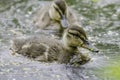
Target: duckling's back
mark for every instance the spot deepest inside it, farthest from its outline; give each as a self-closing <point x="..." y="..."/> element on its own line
<point x="40" y="47"/>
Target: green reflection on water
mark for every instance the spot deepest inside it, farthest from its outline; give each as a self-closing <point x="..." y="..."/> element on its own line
<point x="111" y="71"/>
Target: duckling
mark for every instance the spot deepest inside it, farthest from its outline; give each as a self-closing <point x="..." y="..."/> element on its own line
<point x="48" y="49"/>
<point x="55" y="16"/>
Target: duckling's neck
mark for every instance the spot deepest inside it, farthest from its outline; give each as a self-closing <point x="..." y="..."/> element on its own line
<point x="71" y="49"/>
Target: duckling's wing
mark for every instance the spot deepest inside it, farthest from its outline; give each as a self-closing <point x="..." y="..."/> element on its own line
<point x="35" y="50"/>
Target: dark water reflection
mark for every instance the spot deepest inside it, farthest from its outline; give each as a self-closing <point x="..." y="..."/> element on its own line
<point x="101" y="22"/>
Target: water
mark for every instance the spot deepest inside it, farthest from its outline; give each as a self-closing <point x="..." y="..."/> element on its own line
<point x="102" y="25"/>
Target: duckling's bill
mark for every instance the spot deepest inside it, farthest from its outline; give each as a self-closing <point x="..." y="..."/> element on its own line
<point x="88" y="45"/>
<point x="64" y="21"/>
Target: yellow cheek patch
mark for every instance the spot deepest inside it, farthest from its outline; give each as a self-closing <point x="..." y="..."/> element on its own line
<point x="56" y="12"/>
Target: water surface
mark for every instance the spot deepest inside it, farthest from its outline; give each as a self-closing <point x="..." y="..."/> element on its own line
<point x="100" y="19"/>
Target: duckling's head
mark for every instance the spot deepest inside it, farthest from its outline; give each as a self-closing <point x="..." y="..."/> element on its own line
<point x="58" y="12"/>
<point x="75" y="36"/>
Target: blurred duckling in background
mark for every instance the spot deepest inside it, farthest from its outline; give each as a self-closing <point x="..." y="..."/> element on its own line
<point x="55" y="16"/>
<point x="48" y="49"/>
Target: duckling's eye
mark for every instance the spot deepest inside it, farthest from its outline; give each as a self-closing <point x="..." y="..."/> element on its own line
<point x="76" y="35"/>
<point x="87" y="42"/>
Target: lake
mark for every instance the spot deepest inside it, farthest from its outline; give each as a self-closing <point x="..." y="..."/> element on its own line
<point x="99" y="18"/>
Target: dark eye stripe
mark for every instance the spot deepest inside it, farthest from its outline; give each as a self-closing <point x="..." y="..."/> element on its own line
<point x="58" y="11"/>
<point x="80" y="31"/>
<point x="77" y="35"/>
<point x="74" y="34"/>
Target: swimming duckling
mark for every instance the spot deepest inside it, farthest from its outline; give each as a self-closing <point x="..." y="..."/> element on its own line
<point x="48" y="49"/>
<point x="55" y="16"/>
